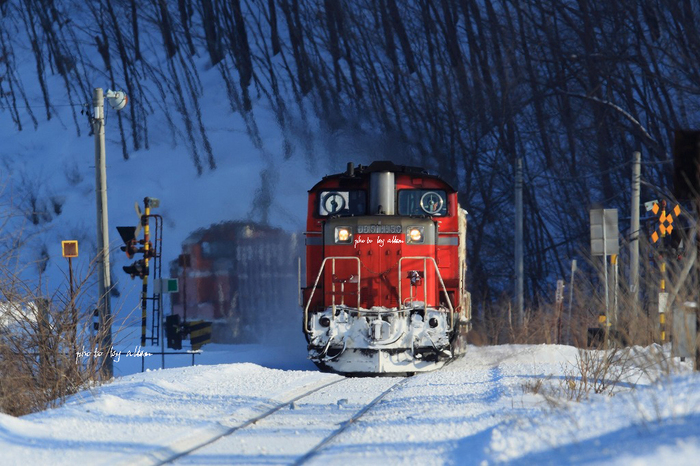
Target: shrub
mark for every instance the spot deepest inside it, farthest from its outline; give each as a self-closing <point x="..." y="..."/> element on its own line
<point x="39" y="341"/>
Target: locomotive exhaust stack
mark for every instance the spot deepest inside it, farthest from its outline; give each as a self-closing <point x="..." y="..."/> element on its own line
<point x="381" y="193"/>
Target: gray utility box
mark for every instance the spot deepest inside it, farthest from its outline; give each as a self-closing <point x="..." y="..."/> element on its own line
<point x="685" y="330"/>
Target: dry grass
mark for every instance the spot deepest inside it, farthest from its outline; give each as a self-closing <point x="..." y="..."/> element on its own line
<point x="534" y="386"/>
<point x="593" y="372"/>
<point x="631" y="350"/>
<point x="39" y="339"/>
<point x="599" y="372"/>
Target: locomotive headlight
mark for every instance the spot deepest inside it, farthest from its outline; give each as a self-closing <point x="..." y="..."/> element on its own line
<point x="343" y="235"/>
<point x="414" y="235"/>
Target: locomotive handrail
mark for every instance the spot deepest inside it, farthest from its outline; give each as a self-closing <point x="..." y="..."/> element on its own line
<point x="425" y="294"/>
<point x="307" y="330"/>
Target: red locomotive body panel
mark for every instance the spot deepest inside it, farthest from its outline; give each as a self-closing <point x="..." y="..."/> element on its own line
<point x="380" y="253"/>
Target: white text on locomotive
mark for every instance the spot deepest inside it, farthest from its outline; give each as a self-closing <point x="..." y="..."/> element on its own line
<point x="379" y="229"/>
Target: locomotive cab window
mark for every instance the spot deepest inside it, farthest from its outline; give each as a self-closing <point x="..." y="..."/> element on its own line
<point x="423" y="202"/>
<point x="342" y="203"/>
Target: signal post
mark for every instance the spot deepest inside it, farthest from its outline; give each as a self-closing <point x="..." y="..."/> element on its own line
<point x="146" y="256"/>
<point x="141" y="267"/>
<point x="665" y="226"/>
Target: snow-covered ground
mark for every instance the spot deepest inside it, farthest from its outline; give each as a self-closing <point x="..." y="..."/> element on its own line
<point x="478" y="410"/>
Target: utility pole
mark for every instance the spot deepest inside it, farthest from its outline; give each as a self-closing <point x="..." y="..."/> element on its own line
<point x="614" y="260"/>
<point x="519" y="265"/>
<point x="634" y="231"/>
<point x="559" y="300"/>
<point x="104" y="279"/>
<point x="571" y="297"/>
<point x="118" y="101"/>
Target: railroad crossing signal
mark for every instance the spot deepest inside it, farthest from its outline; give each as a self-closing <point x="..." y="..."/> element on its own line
<point x="665" y="220"/>
<point x="128" y="235"/>
<point x="137" y="269"/>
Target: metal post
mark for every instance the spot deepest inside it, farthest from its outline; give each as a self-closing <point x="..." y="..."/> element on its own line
<point x="634" y="232"/>
<point x="605" y="271"/>
<point x="614" y="259"/>
<point x="519" y="265"/>
<point x="144" y="281"/>
<point x="73" y="310"/>
<point x="571" y="295"/>
<point x="104" y="279"/>
<point x="184" y="262"/>
<point x="161" y="327"/>
<point x="663" y="301"/>
<point x="559" y="300"/>
<point x="44" y="328"/>
<point x="696" y="297"/>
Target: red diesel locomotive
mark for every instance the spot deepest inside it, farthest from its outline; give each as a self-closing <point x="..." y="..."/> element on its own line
<point x="385" y="272"/>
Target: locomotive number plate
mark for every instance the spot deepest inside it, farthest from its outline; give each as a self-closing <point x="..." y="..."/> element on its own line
<point x="379" y="229"/>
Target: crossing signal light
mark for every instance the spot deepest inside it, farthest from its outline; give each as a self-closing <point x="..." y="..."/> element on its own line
<point x="130" y="249"/>
<point x="137" y="269"/>
<point x="173" y="331"/>
<point x="128" y="235"/>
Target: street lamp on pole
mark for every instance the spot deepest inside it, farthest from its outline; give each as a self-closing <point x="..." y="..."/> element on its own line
<point x="117" y="101"/>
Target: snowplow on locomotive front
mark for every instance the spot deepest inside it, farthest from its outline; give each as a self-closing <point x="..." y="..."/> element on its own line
<point x="385" y="272"/>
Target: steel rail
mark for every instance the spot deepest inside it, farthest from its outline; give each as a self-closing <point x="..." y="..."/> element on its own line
<point x="346" y="425"/>
<point x="228" y="431"/>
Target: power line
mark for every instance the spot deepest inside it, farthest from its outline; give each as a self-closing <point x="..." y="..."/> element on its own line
<point x="575" y="178"/>
<point x="44" y="106"/>
<point x="660" y="162"/>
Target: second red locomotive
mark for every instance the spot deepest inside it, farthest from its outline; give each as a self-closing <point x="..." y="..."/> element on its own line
<point x="385" y="268"/>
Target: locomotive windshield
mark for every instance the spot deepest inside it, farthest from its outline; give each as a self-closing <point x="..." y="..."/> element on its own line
<point x="423" y="202"/>
<point x="342" y="203"/>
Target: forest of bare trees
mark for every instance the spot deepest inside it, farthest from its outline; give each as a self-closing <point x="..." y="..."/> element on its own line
<point x="462" y="87"/>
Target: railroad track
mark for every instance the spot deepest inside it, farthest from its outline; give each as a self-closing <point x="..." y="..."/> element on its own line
<point x="343" y="427"/>
<point x="186" y="449"/>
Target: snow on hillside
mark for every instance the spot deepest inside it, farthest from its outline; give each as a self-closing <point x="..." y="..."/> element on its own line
<point x="475" y="411"/>
<point x="48" y="172"/>
<point x="54" y="161"/>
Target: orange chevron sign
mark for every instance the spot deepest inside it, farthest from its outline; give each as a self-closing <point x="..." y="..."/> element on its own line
<point x="665" y="220"/>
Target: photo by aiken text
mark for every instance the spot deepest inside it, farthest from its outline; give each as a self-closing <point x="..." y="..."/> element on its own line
<point x="112" y="353"/>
